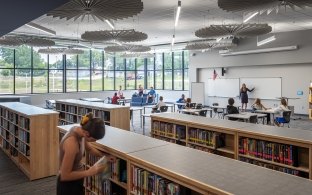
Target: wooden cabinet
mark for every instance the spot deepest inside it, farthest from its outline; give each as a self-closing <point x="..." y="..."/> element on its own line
<point x="144" y="165"/>
<point x="72" y="110"/>
<point x="30" y="138"/>
<point x="287" y="150"/>
<point x="310" y="103"/>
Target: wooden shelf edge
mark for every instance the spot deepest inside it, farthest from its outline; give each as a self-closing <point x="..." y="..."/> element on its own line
<point x="121" y="184"/>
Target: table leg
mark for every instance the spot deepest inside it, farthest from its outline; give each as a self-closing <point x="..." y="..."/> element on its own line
<point x="143" y="125"/>
<point x="141" y="117"/>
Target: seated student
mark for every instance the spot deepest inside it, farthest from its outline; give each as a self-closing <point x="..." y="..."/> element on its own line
<point x="257" y="105"/>
<point x="280" y="109"/>
<point x="230" y="109"/>
<point x="188" y="103"/>
<point x="158" y="105"/>
<point x="181" y="100"/>
<point x="115" y="98"/>
<point x="140" y="90"/>
<point x="151" y="95"/>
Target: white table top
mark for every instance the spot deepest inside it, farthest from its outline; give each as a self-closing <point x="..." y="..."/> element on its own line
<point x="136" y="108"/>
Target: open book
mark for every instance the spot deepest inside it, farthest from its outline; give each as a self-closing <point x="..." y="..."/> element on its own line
<point x="106" y="174"/>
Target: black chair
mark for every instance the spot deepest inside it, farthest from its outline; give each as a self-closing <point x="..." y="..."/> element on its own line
<point x="192" y="105"/>
<point x="253" y="119"/>
<point x="285" y="119"/>
<point x="203" y="113"/>
<point x="217" y="111"/>
<point x="199" y="106"/>
<point x="163" y="108"/>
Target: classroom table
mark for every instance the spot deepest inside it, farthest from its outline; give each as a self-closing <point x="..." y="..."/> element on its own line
<point x="246" y="116"/>
<point x="92" y="99"/>
<point x="195" y="111"/>
<point x="178" y="104"/>
<point x="153" y="106"/>
<point x="123" y="101"/>
<point x="268" y="111"/>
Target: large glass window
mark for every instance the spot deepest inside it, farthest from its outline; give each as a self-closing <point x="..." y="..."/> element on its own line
<point x="178" y="70"/>
<point x="109" y="75"/>
<point x="168" y="71"/>
<point x="140" y="77"/>
<point x="159" y="71"/>
<point x="40" y="72"/>
<point x="6" y="71"/>
<point x="97" y="70"/>
<point x="56" y="73"/>
<point x="25" y="70"/>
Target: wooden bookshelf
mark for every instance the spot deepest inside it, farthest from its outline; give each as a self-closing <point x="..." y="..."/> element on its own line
<point x="310" y="102"/>
<point x="72" y="110"/>
<point x="287" y="150"/>
<point x="30" y="138"/>
<point x="191" y="171"/>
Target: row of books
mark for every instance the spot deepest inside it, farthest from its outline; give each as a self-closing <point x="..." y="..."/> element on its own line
<point x="276" y="152"/>
<point x="147" y="183"/>
<point x="60" y="107"/>
<point x="105" y="115"/>
<point x="95" y="185"/>
<point x="201" y="136"/>
<point x="275" y="167"/>
<point x="24" y="123"/>
<point x="23" y="148"/>
<point x="170" y="130"/>
<point x="71" y="109"/>
<point x="71" y="118"/>
<point x="23" y="135"/>
<point x="13" y="129"/>
<point x="83" y="111"/>
<point x="13" y="140"/>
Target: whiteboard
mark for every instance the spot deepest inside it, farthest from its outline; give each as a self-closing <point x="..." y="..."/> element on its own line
<point x="223" y="87"/>
<point x="265" y="88"/>
<point x="198" y="92"/>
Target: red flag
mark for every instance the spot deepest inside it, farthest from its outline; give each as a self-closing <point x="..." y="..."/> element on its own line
<point x="214" y="76"/>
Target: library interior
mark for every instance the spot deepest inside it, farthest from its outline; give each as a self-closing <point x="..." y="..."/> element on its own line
<point x="141" y="97"/>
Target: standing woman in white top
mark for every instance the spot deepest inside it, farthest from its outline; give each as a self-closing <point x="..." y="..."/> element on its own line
<point x="280" y="109"/>
<point x="120" y="92"/>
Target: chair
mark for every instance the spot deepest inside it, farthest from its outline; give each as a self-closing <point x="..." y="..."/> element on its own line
<point x="253" y="119"/>
<point x="285" y="119"/>
<point x="163" y="108"/>
<point x="192" y="105"/>
<point x="199" y="106"/>
<point x="217" y="111"/>
<point x="203" y="113"/>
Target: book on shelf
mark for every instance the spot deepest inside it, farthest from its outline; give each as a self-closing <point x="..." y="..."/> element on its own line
<point x="270" y="151"/>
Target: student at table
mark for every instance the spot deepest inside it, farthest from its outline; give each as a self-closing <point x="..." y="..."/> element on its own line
<point x="159" y="104"/>
<point x="231" y="109"/>
<point x="257" y="105"/>
<point x="280" y="109"/>
<point x="115" y="99"/>
<point x="188" y="103"/>
<point x="244" y="96"/>
<point x="181" y="100"/>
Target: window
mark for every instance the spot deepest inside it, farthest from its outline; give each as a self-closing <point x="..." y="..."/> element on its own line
<point x="168" y="71"/>
<point x="56" y="73"/>
<point x="97" y="70"/>
<point x="140" y="74"/>
<point x="24" y="70"/>
<point x="109" y="73"/>
<point x="40" y="72"/>
<point x="159" y="71"/>
<point x="6" y="71"/>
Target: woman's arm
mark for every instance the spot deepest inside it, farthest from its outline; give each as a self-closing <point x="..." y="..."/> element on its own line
<point x="92" y="150"/>
<point x="71" y="148"/>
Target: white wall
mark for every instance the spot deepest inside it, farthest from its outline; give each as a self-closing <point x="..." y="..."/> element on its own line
<point x="39" y="99"/>
<point x="294" y="67"/>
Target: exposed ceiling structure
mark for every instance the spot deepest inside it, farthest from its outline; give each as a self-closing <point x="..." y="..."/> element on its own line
<point x="158" y="17"/>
